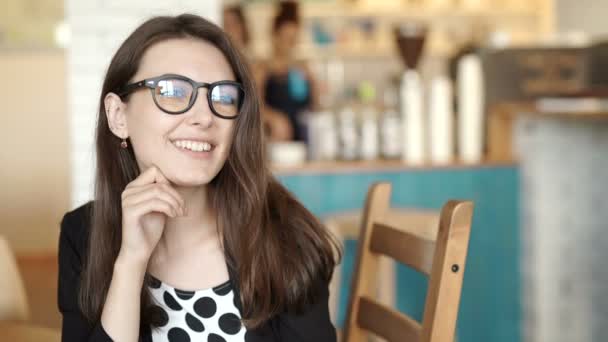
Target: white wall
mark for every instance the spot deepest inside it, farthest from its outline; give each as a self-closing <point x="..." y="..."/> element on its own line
<point x="34" y="171"/>
<point x="98" y="27"/>
<point x="589" y="16"/>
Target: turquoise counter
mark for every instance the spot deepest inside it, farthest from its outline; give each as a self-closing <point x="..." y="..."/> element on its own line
<point x="491" y="303"/>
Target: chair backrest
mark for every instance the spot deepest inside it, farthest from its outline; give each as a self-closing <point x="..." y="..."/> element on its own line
<point x="442" y="258"/>
<point x="13" y="300"/>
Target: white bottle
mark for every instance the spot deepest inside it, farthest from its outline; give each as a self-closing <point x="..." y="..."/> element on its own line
<point x="323" y="140"/>
<point x="369" y="133"/>
<point x="390" y="127"/>
<point x="470" y="108"/>
<point x="412" y="118"/>
<point x="349" y="137"/>
<point x="441" y="121"/>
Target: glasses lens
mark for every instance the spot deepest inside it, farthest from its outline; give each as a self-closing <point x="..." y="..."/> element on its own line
<point x="173" y="95"/>
<point x="226" y="99"/>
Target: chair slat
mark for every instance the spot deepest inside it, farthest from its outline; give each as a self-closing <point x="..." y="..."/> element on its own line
<point x="387" y="322"/>
<point x="404" y="246"/>
<point x="418" y="222"/>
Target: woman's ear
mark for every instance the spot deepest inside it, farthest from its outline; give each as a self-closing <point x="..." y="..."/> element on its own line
<point x="116" y="115"/>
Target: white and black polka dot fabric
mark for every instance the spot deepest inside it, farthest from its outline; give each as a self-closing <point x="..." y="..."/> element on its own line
<point x="208" y="315"/>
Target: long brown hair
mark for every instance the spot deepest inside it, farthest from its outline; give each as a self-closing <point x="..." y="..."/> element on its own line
<point x="277" y="250"/>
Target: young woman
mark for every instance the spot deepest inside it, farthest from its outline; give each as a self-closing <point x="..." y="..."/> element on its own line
<point x="189" y="237"/>
<point x="287" y="85"/>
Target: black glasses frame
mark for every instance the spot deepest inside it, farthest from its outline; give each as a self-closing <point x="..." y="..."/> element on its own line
<point x="152" y="83"/>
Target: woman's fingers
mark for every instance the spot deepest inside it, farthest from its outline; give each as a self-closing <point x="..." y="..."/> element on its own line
<point x="146" y="202"/>
<point x="151" y="187"/>
<point x="154" y="204"/>
<point x="153" y="180"/>
<point x="151" y="175"/>
<point x="153" y="191"/>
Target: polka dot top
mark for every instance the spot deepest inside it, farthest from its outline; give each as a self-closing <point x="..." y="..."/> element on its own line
<point x="208" y="315"/>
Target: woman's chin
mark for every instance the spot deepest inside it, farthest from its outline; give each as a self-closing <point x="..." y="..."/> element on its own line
<point x="190" y="180"/>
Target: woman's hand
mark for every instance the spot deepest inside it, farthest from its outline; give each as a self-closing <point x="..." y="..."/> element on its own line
<point x="146" y="203"/>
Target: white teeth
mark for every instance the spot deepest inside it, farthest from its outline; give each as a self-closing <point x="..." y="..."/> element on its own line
<point x="193" y="145"/>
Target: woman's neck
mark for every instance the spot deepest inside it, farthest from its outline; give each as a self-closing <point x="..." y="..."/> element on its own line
<point x="281" y="61"/>
<point x="196" y="230"/>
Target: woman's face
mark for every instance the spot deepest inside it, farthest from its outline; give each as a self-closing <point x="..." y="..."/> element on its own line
<point x="154" y="133"/>
<point x="286" y="38"/>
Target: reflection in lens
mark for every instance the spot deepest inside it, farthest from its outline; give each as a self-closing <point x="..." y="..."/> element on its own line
<point x="173" y="95"/>
<point x="226" y="99"/>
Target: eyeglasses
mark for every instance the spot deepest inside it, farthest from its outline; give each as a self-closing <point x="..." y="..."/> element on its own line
<point x="176" y="94"/>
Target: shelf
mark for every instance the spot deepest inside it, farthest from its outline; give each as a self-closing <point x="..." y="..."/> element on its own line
<point x="449" y="26"/>
<point x="332" y="167"/>
<point x="320" y="11"/>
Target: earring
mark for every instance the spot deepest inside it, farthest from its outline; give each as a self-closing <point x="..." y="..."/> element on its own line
<point x="123" y="144"/>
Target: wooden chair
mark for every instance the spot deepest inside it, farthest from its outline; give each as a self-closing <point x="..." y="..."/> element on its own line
<point x="13" y="299"/>
<point x="346" y="225"/>
<point x="440" y="256"/>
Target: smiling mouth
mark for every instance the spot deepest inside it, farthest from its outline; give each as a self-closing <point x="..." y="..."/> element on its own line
<point x="194" y="146"/>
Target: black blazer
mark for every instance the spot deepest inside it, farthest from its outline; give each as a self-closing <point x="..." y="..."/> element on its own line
<point x="313" y="325"/>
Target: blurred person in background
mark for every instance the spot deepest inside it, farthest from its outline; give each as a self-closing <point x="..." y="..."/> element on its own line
<point x="189" y="237"/>
<point x="286" y="83"/>
<point x="236" y="27"/>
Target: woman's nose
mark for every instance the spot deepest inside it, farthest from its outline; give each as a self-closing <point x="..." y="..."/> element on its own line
<point x="200" y="113"/>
